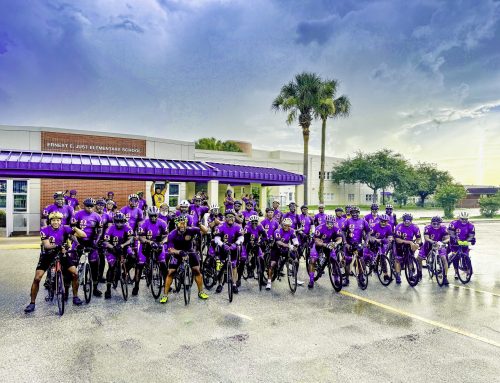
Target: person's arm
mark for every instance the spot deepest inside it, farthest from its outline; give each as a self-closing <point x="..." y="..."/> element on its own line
<point x="165" y="188"/>
<point x="78" y="233"/>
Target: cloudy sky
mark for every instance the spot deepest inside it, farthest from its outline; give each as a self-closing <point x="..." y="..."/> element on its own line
<point x="423" y="76"/>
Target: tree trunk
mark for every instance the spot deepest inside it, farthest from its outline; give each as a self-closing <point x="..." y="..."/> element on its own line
<point x="383" y="196"/>
<point x="305" y="135"/>
<point x="321" y="192"/>
<point x="375" y="196"/>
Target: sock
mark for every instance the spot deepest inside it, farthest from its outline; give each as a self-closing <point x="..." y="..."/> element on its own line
<point x="311" y="276"/>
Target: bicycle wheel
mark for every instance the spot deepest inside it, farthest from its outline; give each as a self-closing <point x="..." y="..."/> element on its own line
<point x="148" y="270"/>
<point x="291" y="272"/>
<point x="124" y="280"/>
<point x="335" y="274"/>
<point x="156" y="280"/>
<point x="431" y="264"/>
<point x="87" y="282"/>
<point x="260" y="273"/>
<point x="59" y="291"/>
<point x="361" y="276"/>
<point x="209" y="272"/>
<point x="439" y="270"/>
<point x="383" y="270"/>
<point x="187" y="280"/>
<point x="178" y="279"/>
<point x="229" y="279"/>
<point x="464" y="269"/>
<point x="411" y="270"/>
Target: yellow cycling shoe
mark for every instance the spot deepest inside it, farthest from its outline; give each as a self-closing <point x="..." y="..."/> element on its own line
<point x="164" y="299"/>
<point x="202" y="295"/>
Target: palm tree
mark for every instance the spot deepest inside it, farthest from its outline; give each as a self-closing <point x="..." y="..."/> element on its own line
<point x="299" y="98"/>
<point x="329" y="106"/>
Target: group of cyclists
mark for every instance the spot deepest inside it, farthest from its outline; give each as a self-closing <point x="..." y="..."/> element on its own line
<point x="207" y="238"/>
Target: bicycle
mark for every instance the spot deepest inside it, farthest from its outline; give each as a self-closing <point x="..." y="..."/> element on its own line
<point x="334" y="272"/>
<point x="464" y="269"/>
<point x="85" y="274"/>
<point x="410" y="265"/>
<point x="383" y="267"/>
<point x="121" y="275"/>
<point x="359" y="268"/>
<point x="291" y="269"/>
<point x="56" y="284"/>
<point x="435" y="265"/>
<point x="152" y="272"/>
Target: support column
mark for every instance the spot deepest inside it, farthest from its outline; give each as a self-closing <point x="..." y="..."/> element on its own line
<point x="213" y="192"/>
<point x="299" y="195"/>
<point x="190" y="190"/>
<point x="263" y="198"/>
<point x="9" y="209"/>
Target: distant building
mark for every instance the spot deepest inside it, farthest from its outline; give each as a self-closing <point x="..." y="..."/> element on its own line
<point x="474" y="192"/>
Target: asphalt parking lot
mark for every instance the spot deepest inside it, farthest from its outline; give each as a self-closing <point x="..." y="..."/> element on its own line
<point x="383" y="334"/>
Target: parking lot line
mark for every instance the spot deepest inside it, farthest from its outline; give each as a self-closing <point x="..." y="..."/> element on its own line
<point x="20" y="246"/>
<point x="476" y="290"/>
<point x="422" y="319"/>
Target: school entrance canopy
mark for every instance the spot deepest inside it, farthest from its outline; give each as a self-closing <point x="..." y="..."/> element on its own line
<point x="85" y="166"/>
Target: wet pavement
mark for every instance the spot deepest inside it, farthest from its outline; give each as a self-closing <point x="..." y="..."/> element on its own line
<point x="382" y="334"/>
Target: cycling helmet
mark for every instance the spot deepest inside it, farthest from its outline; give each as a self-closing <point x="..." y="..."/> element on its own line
<point x="100" y="202"/>
<point x="213" y="206"/>
<point x="276" y="200"/>
<point x="58" y="194"/>
<point x="89" y="202"/>
<point x="304" y="207"/>
<point x="164" y="205"/>
<point x="253" y="218"/>
<point x="55" y="215"/>
<point x="383" y="217"/>
<point x="140" y="192"/>
<point x="229" y="212"/>
<point x="339" y="209"/>
<point x="111" y="193"/>
<point x="184" y="203"/>
<point x="437" y="219"/>
<point x="407" y="217"/>
<point x="291" y="203"/>
<point x="179" y="219"/>
<point x="132" y="196"/>
<point x="268" y="209"/>
<point x="237" y="202"/>
<point x="72" y="192"/>
<point x="322" y="205"/>
<point x="463" y="215"/>
<point x="330" y="219"/>
<point x="119" y="217"/>
<point x="287" y="221"/>
<point x="374" y="206"/>
<point x="196" y="197"/>
<point x="354" y="209"/>
<point x="153" y="210"/>
<point x="111" y="201"/>
<point x="389" y="206"/>
<point x="249" y="203"/>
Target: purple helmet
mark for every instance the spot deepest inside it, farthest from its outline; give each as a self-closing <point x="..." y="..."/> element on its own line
<point x="384" y="217"/>
<point x="407" y="217"/>
<point x="436" y="219"/>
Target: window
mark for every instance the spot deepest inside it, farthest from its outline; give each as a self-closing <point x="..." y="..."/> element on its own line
<point x="350" y="197"/>
<point x="328" y="175"/>
<point x="368" y="197"/>
<point x="319" y="175"/>
<point x="20" y="196"/>
<point x="173" y="194"/>
<point x="3" y="194"/>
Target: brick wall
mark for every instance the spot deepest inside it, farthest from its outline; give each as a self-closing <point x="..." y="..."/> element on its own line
<point x="90" y="188"/>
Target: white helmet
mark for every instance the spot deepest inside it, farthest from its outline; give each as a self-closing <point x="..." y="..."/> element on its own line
<point x="213" y="206"/>
<point x="287" y="221"/>
<point x="185" y="203"/>
<point x="463" y="215"/>
<point x="253" y="218"/>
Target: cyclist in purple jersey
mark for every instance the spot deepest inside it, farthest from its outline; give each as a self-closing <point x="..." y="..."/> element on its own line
<point x="228" y="237"/>
<point x="238" y="213"/>
<point x="197" y="211"/>
<point x="91" y="223"/>
<point x="461" y="230"/>
<point x="392" y="216"/>
<point x="285" y="241"/>
<point x="183" y="211"/>
<point x="107" y="221"/>
<point x="215" y="218"/>
<point x="111" y="196"/>
<point x="229" y="200"/>
<point x="54" y="237"/>
<point x="254" y="237"/>
<point x="372" y="218"/>
<point x="110" y="208"/>
<point x="269" y="224"/>
<point x="71" y="200"/>
<point x="292" y="214"/>
<point x="339" y="217"/>
<point x="164" y="213"/>
<point x="180" y="245"/>
<point x="435" y="234"/>
<point x="356" y="232"/>
<point x="247" y="213"/>
<point x="304" y="231"/>
<point x="381" y="235"/>
<point x="142" y="204"/>
<point x="319" y="219"/>
<point x="152" y="236"/>
<point x="326" y="237"/>
<point x="406" y="234"/>
<point x="245" y="199"/>
<point x="132" y="212"/>
<point x="277" y="214"/>
<point x="58" y="206"/>
<point x="118" y="240"/>
<point x="347" y="214"/>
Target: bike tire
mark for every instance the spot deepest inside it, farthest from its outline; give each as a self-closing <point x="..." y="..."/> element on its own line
<point x="87" y="283"/>
<point x="361" y="276"/>
<point x="187" y="280"/>
<point x="411" y="271"/>
<point x="334" y="270"/>
<point x="260" y="273"/>
<point x="464" y="269"/>
<point x="124" y="280"/>
<point x="59" y="292"/>
<point x="381" y="264"/>
<point x="439" y="271"/>
<point x="209" y="273"/>
<point x="291" y="272"/>
<point x="229" y="279"/>
<point x="431" y="264"/>
<point x="156" y="281"/>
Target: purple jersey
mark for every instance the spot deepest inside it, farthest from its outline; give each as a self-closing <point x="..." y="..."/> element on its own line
<point x="408" y="233"/>
<point x="211" y="218"/>
<point x="326" y="234"/>
<point x="142" y="204"/>
<point x="229" y="203"/>
<point x="56" y="237"/>
<point x="117" y="236"/>
<point x="229" y="234"/>
<point x="285" y="236"/>
<point x="462" y="230"/>
<point x="66" y="210"/>
<point x="253" y="233"/>
<point x="197" y="212"/>
<point x="90" y="223"/>
<point x="380" y="232"/>
<point x="134" y="216"/>
<point x="189" y="217"/>
<point x="436" y="234"/>
<point x="305" y="223"/>
<point x="319" y="219"/>
<point x="182" y="240"/>
<point x="340" y="221"/>
<point x="393" y="221"/>
<point x="295" y="219"/>
<point x="153" y="231"/>
<point x="247" y="214"/>
<point x="278" y="215"/>
<point x="354" y="229"/>
<point x="70" y="201"/>
<point x="106" y="220"/>
<point x="270" y="226"/>
<point x="371" y="219"/>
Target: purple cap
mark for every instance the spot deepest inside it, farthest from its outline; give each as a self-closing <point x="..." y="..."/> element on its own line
<point x="73" y="191"/>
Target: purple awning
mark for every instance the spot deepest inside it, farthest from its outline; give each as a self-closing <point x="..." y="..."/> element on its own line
<point x="90" y="166"/>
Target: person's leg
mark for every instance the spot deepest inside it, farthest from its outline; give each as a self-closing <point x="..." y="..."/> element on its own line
<point x="110" y="275"/>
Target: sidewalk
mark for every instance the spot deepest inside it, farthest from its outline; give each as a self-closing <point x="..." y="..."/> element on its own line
<point x="17" y="243"/>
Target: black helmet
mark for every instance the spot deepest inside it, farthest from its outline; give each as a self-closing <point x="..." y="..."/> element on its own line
<point x="89" y="202"/>
<point x="119" y="217"/>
